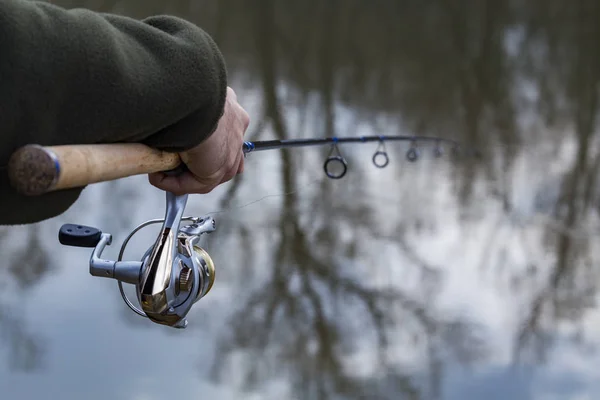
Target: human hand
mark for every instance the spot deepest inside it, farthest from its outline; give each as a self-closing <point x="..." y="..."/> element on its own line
<point x="214" y="161"/>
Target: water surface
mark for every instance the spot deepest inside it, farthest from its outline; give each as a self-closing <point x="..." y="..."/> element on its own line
<point x="443" y="279"/>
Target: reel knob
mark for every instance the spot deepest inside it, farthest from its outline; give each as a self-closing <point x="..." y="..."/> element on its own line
<point x="79" y="235"/>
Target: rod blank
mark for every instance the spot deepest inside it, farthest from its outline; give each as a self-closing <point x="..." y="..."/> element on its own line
<point x="281" y="144"/>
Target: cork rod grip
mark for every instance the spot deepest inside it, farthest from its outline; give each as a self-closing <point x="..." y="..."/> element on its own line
<point x="35" y="170"/>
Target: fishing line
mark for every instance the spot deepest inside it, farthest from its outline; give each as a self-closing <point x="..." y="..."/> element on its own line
<point x="302" y="188"/>
<point x="237" y="207"/>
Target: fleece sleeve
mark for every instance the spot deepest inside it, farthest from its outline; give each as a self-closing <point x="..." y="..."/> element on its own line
<point x="79" y="77"/>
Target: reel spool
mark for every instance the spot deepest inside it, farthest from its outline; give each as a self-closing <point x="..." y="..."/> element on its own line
<point x="172" y="275"/>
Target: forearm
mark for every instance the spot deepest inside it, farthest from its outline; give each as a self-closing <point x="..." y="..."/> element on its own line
<point x="79" y="77"/>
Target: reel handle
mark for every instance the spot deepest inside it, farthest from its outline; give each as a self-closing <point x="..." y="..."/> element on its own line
<point x="34" y="170"/>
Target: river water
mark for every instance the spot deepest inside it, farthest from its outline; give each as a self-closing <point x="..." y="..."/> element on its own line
<point x="451" y="278"/>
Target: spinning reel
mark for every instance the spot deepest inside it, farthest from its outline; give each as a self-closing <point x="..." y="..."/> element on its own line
<point x="173" y="274"/>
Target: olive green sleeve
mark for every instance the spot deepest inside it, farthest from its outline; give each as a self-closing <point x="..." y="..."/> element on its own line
<point x="77" y="77"/>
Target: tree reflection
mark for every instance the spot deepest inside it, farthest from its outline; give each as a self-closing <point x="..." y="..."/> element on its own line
<point x="494" y="74"/>
<point x="312" y="313"/>
<point x="25" y="348"/>
<point x="571" y="287"/>
<point x="26" y="263"/>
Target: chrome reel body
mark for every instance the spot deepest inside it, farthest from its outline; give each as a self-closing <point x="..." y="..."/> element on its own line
<point x="172" y="275"/>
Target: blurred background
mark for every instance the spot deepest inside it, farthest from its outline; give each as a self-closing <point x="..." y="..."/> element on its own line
<point x="442" y="279"/>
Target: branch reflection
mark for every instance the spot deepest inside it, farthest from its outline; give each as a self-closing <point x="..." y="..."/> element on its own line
<point x="498" y="75"/>
<point x="312" y="314"/>
<point x="26" y="263"/>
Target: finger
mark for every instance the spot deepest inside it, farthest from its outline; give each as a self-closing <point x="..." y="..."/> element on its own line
<point x="241" y="166"/>
<point x="182" y="184"/>
<point x="246" y="121"/>
<point x="232" y="93"/>
<point x="233" y="170"/>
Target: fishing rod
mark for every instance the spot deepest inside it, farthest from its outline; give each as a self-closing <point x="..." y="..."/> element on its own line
<point x="175" y="271"/>
<point x="380" y="158"/>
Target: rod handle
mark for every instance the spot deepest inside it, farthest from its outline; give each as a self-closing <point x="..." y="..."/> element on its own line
<point x="34" y="170"/>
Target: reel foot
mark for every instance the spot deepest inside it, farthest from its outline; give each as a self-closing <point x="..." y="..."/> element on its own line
<point x="182" y="324"/>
